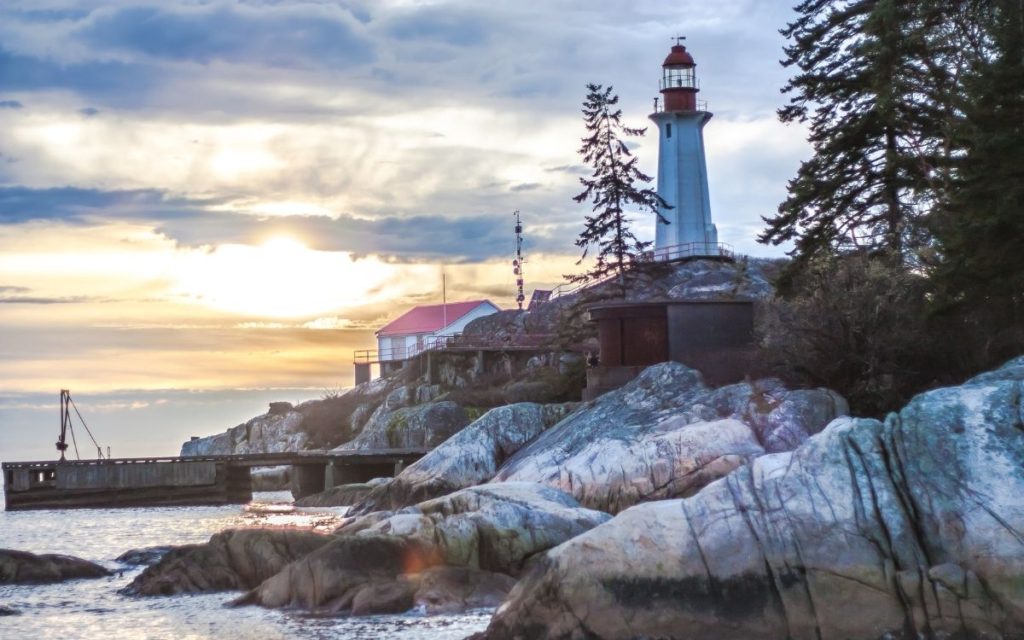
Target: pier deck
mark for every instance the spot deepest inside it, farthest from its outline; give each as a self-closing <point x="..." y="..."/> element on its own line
<point x="193" y="480"/>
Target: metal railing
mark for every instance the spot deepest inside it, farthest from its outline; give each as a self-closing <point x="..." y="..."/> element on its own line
<point x="247" y="459"/>
<point x="659" y="106"/>
<point x="689" y="250"/>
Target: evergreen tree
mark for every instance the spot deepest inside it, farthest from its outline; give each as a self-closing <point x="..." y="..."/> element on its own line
<point x="612" y="189"/>
<point x="863" y="87"/>
<point x="980" y="225"/>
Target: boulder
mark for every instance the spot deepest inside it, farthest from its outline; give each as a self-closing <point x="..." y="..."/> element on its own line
<point x="376" y="562"/>
<point x="232" y="559"/>
<point x="468" y="458"/>
<point x="909" y="528"/>
<point x="425" y="425"/>
<point x="455" y="589"/>
<point x="332" y="578"/>
<point x="666" y="434"/>
<point x="495" y="527"/>
<point x="344" y="495"/>
<point x="22" y="567"/>
<point x="146" y="556"/>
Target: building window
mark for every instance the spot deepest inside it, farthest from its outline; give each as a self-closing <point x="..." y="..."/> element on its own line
<point x="668" y="130"/>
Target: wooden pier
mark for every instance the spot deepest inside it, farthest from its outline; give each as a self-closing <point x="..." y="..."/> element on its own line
<point x="199" y="480"/>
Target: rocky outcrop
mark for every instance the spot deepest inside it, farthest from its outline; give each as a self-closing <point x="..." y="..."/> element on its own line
<point x="909" y="528"/>
<point x="344" y="495"/>
<point x="494" y="529"/>
<point x="744" y="279"/>
<point x="666" y="434"/>
<point x="425" y="425"/>
<point x="470" y="457"/>
<point x="231" y="560"/>
<point x="310" y="424"/>
<point x="276" y="431"/>
<point x="145" y="557"/>
<point x="22" y="567"/>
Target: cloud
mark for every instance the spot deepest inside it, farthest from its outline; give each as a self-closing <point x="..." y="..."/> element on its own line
<point x="89" y="112"/>
<point x="197" y="222"/>
<point x="444" y="24"/>
<point x="112" y="82"/>
<point x="77" y="205"/>
<point x="10" y="104"/>
<point x="45" y="300"/>
<point x="279" y="35"/>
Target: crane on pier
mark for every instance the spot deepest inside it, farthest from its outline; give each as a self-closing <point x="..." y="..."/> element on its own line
<point x="66" y="405"/>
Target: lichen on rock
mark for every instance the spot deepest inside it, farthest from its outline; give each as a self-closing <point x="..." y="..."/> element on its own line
<point x="666" y="434"/>
<point x="470" y="457"/>
<point x="911" y="527"/>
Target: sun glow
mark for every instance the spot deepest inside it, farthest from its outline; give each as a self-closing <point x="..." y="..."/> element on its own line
<point x="281" y="278"/>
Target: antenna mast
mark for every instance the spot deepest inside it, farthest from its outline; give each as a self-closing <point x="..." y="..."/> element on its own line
<point x="517" y="264"/>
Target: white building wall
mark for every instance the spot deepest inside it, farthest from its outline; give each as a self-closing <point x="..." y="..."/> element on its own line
<point x="402" y="347"/>
<point x="683" y="182"/>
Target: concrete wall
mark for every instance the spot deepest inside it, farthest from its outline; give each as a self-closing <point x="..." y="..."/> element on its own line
<point x="139" y="475"/>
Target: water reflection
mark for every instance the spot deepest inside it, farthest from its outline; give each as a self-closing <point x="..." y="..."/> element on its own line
<point x="93" y="610"/>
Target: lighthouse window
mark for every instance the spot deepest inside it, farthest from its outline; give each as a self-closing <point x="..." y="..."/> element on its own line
<point x="668" y="129"/>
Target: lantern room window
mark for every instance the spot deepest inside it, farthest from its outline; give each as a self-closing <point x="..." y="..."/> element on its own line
<point x="681" y="77"/>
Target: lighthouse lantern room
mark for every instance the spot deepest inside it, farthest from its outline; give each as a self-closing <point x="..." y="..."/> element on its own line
<point x="682" y="169"/>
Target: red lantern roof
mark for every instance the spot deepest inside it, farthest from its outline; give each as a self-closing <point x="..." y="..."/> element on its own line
<point x="679" y="56"/>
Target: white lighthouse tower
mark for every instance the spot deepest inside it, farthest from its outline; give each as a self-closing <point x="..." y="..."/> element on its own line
<point x="682" y="170"/>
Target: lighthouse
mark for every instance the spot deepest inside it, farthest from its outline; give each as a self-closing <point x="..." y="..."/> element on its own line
<point x="682" y="170"/>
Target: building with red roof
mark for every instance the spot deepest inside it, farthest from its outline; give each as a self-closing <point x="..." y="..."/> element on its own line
<point x="414" y="330"/>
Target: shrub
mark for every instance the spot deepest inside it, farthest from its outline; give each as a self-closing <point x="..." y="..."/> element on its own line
<point x="327" y="421"/>
<point x="860" y="325"/>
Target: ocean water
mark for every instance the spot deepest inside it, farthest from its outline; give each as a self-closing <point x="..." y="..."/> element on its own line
<point x="93" y="610"/>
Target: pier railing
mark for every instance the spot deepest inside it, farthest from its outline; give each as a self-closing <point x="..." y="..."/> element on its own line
<point x="240" y="459"/>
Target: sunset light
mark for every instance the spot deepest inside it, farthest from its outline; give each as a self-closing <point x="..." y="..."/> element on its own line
<point x="282" y="278"/>
<point x="442" y="319"/>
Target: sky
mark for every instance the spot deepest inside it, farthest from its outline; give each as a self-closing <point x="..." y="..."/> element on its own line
<point x="207" y="205"/>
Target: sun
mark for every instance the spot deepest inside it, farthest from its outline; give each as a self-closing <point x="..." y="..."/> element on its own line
<point x="280" y="278"/>
<point x="284" y="245"/>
